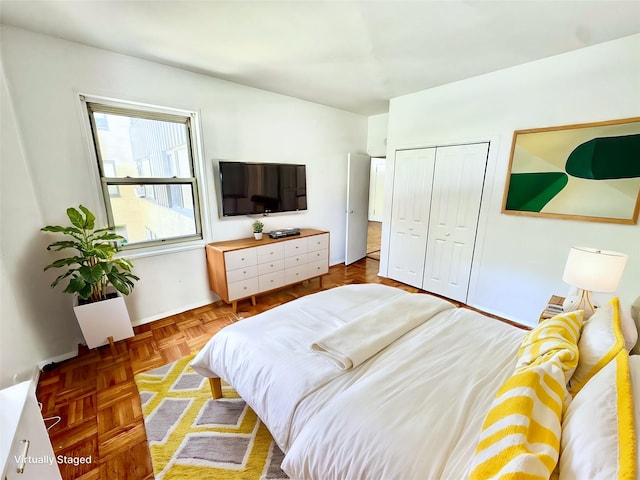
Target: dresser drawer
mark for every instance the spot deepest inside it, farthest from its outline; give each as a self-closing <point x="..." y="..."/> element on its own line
<point x="243" y="288"/>
<point x="317" y="268"/>
<point x="296" y="274"/>
<point x="240" y="258"/>
<point x="291" y="262"/>
<point x="271" y="281"/>
<point x="240" y="274"/>
<point x="295" y="247"/>
<point x="319" y="242"/>
<point x="270" y="267"/>
<point x="318" y="255"/>
<point x="269" y="253"/>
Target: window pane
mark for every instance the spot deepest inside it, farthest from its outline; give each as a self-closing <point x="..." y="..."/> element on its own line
<point x="142" y="147"/>
<point x="140" y="219"/>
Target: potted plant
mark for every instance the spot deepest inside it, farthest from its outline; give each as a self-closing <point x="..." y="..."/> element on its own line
<point x="96" y="278"/>
<point x="257" y="226"/>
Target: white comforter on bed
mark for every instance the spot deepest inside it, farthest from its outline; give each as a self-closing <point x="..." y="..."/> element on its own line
<point x="413" y="410"/>
<point x="417" y="411"/>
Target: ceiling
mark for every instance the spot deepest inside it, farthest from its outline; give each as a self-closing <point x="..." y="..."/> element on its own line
<point x="353" y="55"/>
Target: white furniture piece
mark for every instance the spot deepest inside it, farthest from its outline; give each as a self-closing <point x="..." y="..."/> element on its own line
<point x="106" y="321"/>
<point x="24" y="442"/>
<point x="435" y="207"/>
<point x="243" y="268"/>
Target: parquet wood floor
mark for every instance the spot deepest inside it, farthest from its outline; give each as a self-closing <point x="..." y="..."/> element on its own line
<point x="96" y="397"/>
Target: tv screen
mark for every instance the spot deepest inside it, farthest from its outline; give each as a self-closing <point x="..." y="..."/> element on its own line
<point x="249" y="188"/>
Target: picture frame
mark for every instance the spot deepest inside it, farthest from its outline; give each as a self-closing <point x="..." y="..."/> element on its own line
<point x="588" y="171"/>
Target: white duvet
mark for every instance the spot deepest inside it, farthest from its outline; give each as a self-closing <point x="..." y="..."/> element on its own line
<point x="412" y="411"/>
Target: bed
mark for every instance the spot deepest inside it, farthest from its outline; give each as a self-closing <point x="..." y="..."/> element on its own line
<point x="369" y="381"/>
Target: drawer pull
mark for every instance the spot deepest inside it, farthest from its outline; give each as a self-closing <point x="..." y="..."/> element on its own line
<point x="25" y="453"/>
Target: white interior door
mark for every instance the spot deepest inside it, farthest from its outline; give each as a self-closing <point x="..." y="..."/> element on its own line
<point x="457" y="192"/>
<point x="358" y="167"/>
<point x="411" y="202"/>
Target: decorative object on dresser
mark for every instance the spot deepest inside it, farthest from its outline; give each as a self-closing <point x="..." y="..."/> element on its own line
<point x="285" y="232"/>
<point x="257" y="229"/>
<point x="238" y="269"/>
<point x="591" y="270"/>
<point x="96" y="278"/>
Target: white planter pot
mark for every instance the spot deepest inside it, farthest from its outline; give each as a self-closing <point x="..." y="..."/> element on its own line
<point x="101" y="320"/>
<point x="257" y="236"/>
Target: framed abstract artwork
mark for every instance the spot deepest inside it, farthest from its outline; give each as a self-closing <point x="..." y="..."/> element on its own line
<point x="589" y="171"/>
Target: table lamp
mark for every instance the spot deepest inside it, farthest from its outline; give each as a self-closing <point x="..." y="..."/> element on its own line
<point x="591" y="270"/>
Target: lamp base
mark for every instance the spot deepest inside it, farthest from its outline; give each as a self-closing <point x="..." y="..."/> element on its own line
<point x="580" y="302"/>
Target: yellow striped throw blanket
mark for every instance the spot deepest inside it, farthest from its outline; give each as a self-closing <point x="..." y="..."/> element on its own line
<point x="520" y="437"/>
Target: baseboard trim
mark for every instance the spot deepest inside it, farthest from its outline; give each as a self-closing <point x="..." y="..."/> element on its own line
<point x="60" y="358"/>
<point x="168" y="313"/>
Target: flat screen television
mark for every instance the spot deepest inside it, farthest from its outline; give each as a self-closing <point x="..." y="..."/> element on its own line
<point x="252" y="188"/>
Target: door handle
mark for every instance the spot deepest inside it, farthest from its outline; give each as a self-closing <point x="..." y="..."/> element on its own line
<point x="25" y="452"/>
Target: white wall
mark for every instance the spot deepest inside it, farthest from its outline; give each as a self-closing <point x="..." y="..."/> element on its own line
<point x="35" y="321"/>
<point x="519" y="261"/>
<point x="377" y="135"/>
<point x="46" y="168"/>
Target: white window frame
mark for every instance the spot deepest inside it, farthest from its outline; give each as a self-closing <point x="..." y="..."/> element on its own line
<point x="107" y="105"/>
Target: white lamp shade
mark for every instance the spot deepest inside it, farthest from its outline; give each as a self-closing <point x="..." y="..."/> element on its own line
<point x="594" y="270"/>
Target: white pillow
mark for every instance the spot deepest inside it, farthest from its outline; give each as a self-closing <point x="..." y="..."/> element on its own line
<point x="629" y="329"/>
<point x="600" y="341"/>
<point x="598" y="437"/>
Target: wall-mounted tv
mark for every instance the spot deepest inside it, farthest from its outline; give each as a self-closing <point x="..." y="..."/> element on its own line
<point x="253" y="188"/>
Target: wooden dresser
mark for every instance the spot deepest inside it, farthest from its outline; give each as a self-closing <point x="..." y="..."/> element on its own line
<point x="243" y="268"/>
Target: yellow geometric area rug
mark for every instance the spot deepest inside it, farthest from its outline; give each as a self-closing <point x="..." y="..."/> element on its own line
<point x="191" y="436"/>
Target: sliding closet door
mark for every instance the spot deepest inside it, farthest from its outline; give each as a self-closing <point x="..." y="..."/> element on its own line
<point x="455" y="206"/>
<point x="411" y="201"/>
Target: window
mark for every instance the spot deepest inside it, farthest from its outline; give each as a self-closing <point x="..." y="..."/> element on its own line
<point x="146" y="165"/>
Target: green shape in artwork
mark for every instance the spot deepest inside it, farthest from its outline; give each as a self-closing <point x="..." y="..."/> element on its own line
<point x="530" y="192"/>
<point x="606" y="158"/>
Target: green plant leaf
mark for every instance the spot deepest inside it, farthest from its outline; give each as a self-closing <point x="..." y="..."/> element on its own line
<point x="76" y="284"/>
<point x="90" y="218"/>
<point x="91" y="275"/>
<point x="76" y="218"/>
<point x="63" y="262"/>
<point x="73" y="231"/>
<point x="124" y="264"/>
<point x="62" y="277"/>
<point x="62" y="244"/>
<point x="119" y="284"/>
<point x="55" y="228"/>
